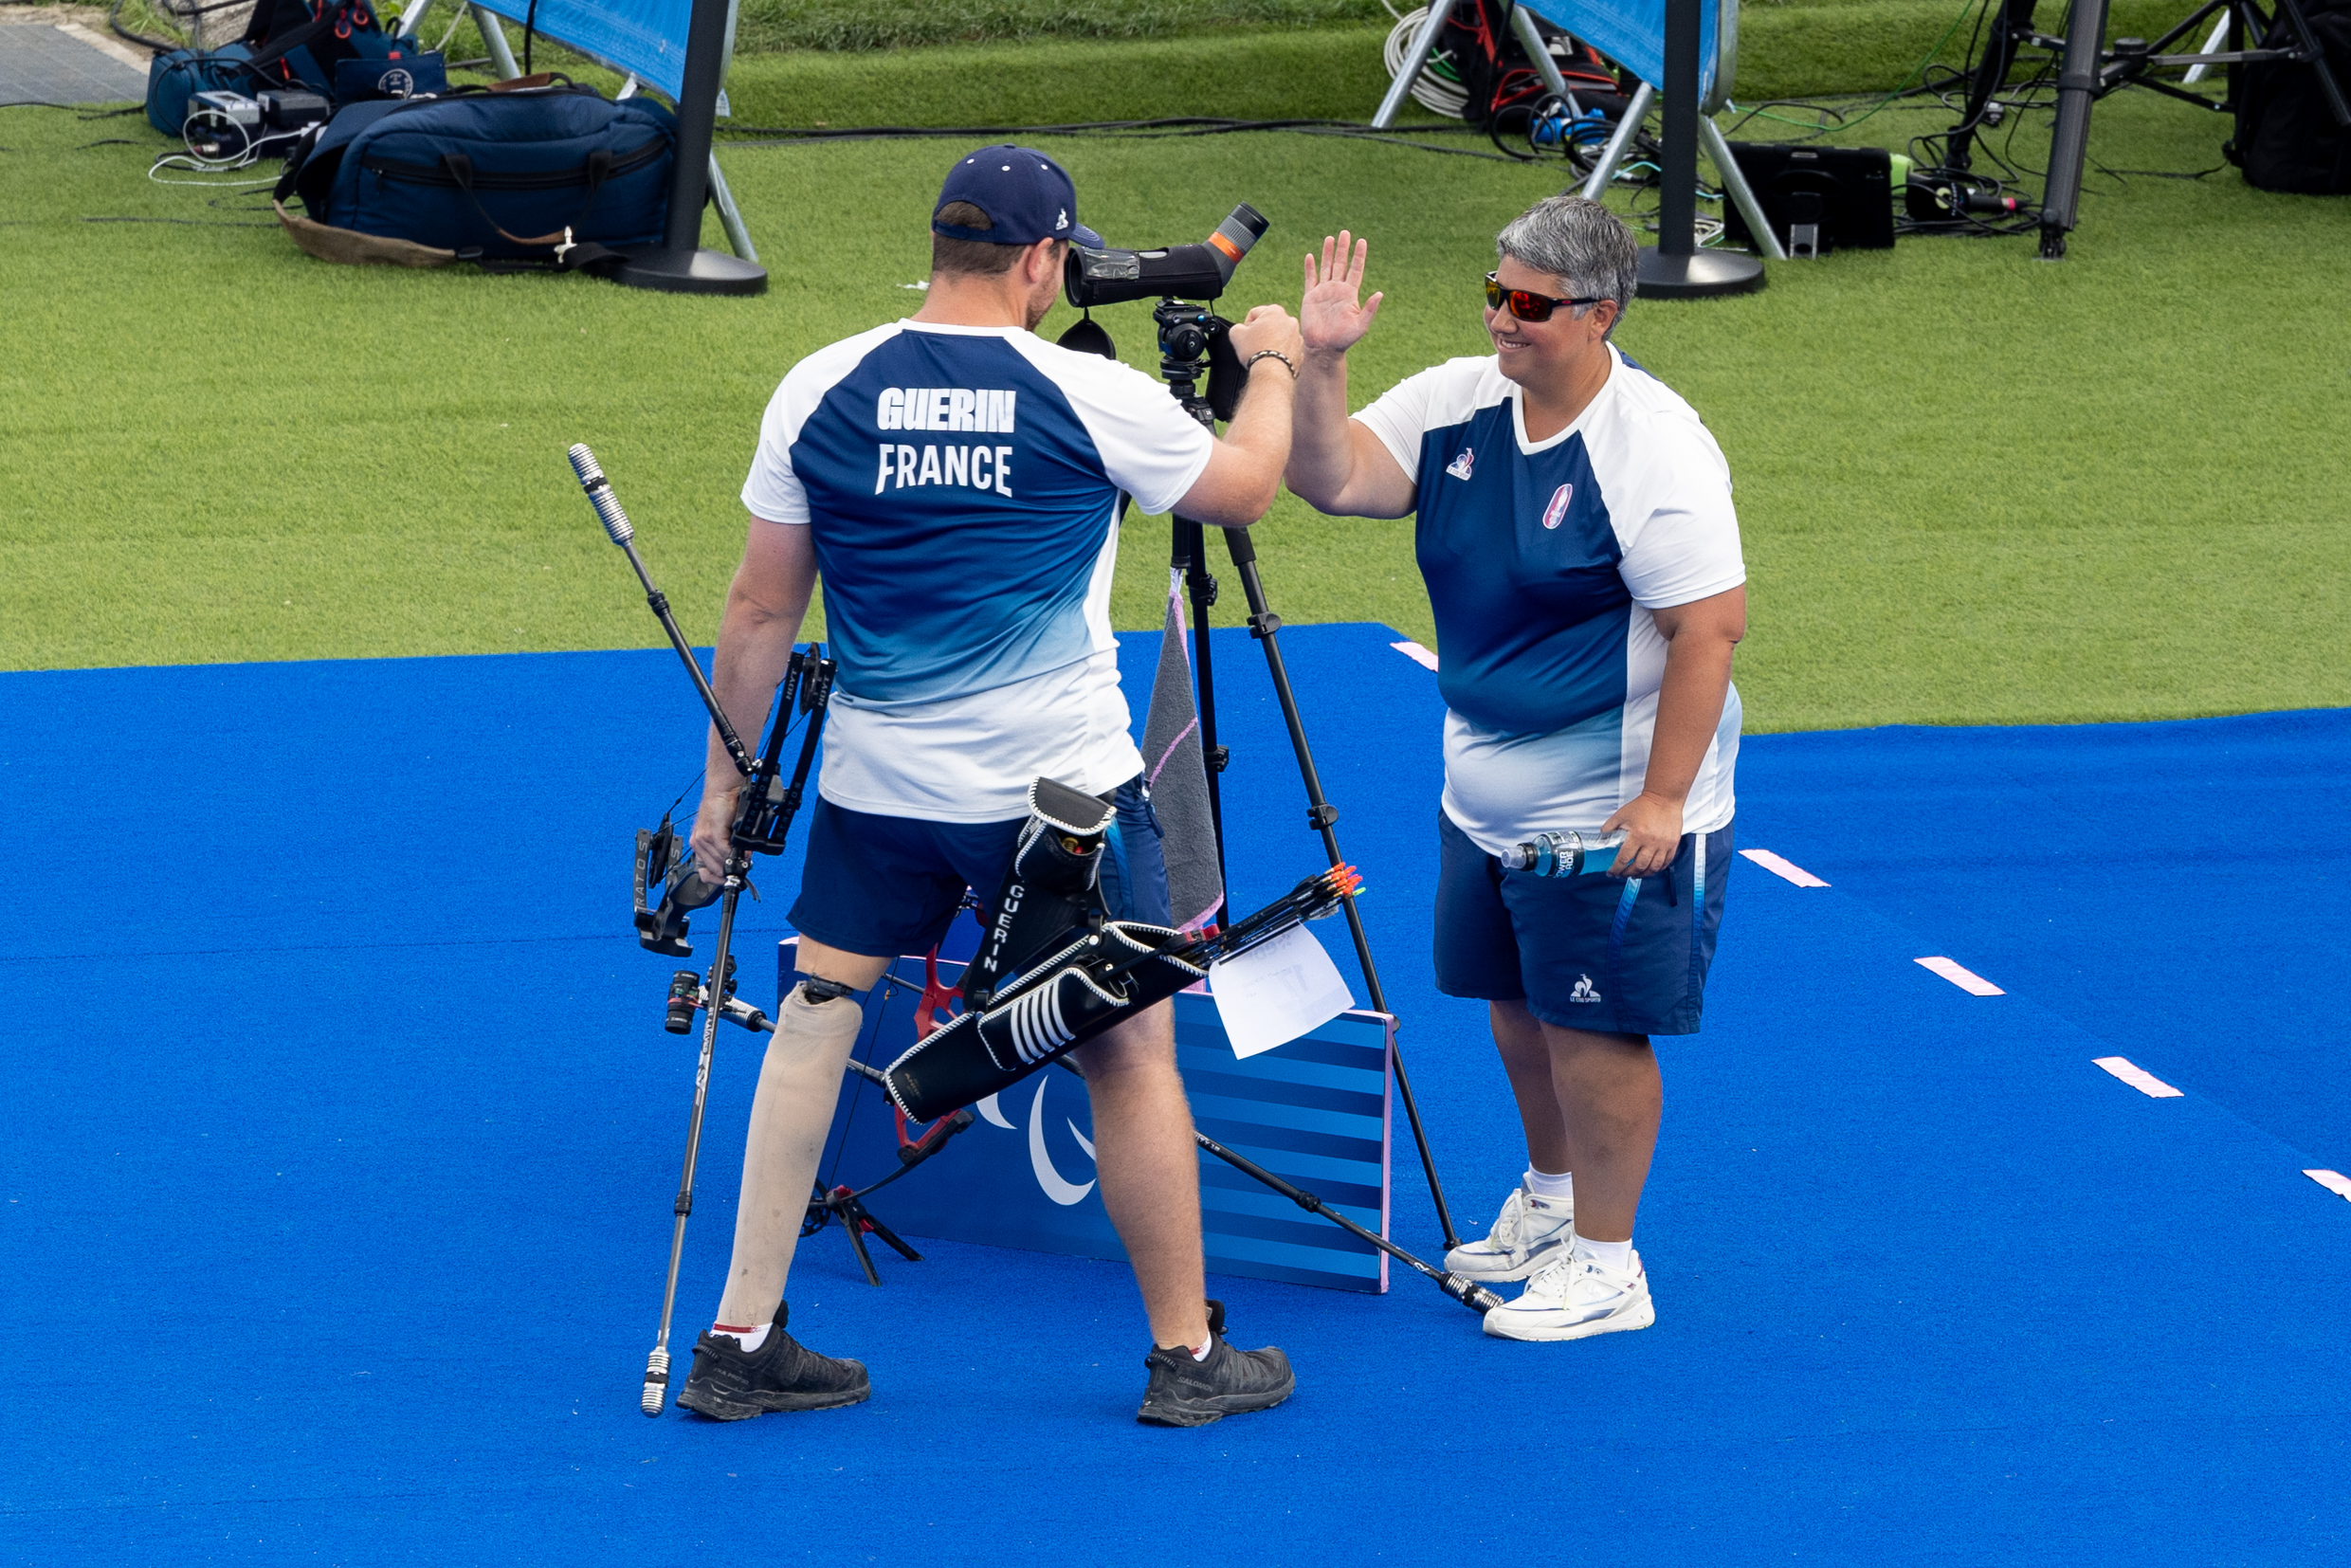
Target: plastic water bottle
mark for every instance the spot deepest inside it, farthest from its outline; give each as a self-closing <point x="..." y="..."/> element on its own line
<point x="1565" y="855"/>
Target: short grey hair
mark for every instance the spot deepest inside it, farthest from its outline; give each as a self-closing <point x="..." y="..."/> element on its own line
<point x="1578" y="241"/>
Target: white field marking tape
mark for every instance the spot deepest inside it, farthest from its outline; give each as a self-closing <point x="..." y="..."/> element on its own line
<point x="1779" y="867"/>
<point x="2334" y="1181"/>
<point x="1966" y="979"/>
<point x="1417" y="653"/>
<point x="2137" y="1077"/>
<point x="137" y="59"/>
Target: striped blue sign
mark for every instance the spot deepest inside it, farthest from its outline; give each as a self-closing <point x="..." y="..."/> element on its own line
<point x="1314" y="1112"/>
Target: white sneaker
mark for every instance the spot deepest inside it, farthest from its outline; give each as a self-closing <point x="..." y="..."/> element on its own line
<point x="1575" y="1298"/>
<point x="1531" y="1233"/>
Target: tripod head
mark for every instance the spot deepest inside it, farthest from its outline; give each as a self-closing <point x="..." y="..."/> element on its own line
<point x="1192" y="339"/>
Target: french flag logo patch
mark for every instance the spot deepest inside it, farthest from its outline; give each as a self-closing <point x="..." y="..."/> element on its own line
<point x="1459" y="467"/>
<point x="1556" y="513"/>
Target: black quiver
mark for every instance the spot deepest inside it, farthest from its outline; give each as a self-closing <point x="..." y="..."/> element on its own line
<point x="1062" y="1002"/>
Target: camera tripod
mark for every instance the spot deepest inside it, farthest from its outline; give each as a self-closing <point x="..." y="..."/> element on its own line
<point x="1190" y="339"/>
<point x="2087" y="71"/>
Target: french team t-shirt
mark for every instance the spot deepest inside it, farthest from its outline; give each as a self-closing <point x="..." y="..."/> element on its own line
<point x="962" y="489"/>
<point x="1544" y="562"/>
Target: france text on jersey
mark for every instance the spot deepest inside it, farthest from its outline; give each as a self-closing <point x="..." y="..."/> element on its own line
<point x="976" y="409"/>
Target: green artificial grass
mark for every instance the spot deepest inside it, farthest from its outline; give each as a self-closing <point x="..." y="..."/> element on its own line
<point x="1974" y="488"/>
<point x="846" y="25"/>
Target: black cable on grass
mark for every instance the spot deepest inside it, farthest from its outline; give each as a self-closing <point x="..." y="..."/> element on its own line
<point x="110" y="141"/>
<point x="187" y="223"/>
<point x="161" y="45"/>
<point x="81" y="109"/>
<point x="2158" y="174"/>
<point x="1207" y="124"/>
<point x="1114" y="129"/>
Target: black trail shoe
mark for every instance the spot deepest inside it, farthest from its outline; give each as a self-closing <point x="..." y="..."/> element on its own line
<point x="1185" y="1393"/>
<point x="728" y="1385"/>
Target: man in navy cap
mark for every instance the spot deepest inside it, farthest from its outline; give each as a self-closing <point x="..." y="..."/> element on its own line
<point x="956" y="482"/>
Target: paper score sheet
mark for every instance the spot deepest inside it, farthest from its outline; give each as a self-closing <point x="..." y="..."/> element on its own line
<point x="1277" y="991"/>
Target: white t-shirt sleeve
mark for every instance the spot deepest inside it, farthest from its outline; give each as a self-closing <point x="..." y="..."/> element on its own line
<point x="772" y="490"/>
<point x="1149" y="447"/>
<point x="1399" y="417"/>
<point x="1684" y="543"/>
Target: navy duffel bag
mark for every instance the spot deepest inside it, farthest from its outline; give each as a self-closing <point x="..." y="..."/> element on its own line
<point x="512" y="175"/>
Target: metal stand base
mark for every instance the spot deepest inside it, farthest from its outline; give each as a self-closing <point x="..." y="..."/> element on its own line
<point x="693" y="273"/>
<point x="1701" y="276"/>
<point x="856" y="1219"/>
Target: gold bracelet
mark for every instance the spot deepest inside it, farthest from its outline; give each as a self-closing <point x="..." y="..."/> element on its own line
<point x="1271" y="354"/>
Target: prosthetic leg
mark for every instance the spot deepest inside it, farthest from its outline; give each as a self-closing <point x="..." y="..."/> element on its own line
<point x="791" y="1113"/>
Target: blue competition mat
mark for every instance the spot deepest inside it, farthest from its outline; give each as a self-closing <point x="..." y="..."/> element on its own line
<point x="340" y="1133"/>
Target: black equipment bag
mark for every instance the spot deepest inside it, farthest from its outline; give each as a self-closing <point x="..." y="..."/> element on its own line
<point x="302" y="40"/>
<point x="2287" y="134"/>
<point x="518" y="175"/>
<point x="1495" y="71"/>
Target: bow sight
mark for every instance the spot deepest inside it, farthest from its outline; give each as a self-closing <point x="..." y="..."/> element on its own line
<point x="762" y="819"/>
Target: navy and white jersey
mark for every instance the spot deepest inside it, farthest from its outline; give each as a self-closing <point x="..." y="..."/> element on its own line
<point x="961" y="485"/>
<point x="1544" y="560"/>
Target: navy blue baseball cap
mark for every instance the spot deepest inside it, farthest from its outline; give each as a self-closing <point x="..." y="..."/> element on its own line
<point x="1025" y="194"/>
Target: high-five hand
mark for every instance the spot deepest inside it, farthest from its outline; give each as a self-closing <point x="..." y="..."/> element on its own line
<point x="1328" y="315"/>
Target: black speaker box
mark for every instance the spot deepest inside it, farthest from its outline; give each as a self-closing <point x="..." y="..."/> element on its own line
<point x="1845" y="194"/>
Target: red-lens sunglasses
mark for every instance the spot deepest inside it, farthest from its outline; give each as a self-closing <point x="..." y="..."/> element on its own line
<point x="1525" y="306"/>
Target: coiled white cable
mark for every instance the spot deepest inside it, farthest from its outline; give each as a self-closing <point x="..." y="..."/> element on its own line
<point x="1431" y="92"/>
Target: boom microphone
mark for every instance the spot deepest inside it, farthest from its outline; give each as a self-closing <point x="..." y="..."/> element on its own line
<point x="600" y="494"/>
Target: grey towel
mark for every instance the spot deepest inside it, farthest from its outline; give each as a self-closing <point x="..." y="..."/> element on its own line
<point x="1172" y="760"/>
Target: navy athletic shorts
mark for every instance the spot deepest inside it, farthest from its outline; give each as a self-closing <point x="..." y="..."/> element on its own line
<point x="883" y="885"/>
<point x="1615" y="956"/>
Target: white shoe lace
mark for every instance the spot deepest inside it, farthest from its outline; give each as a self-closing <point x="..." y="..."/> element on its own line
<point x="1553" y="1280"/>
<point x="1561" y="1283"/>
<point x="1504" y="1236"/>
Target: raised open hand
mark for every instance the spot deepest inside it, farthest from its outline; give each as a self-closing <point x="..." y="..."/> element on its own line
<point x="1328" y="315"/>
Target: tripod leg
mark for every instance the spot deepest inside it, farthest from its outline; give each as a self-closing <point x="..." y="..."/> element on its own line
<point x="848" y="1215"/>
<point x="888" y="1236"/>
<point x="2212" y="41"/>
<point x="1414" y="58"/>
<point x="1192" y="555"/>
<point x="2077" y="90"/>
<point x="2309" y="42"/>
<point x="1265" y="626"/>
<point x="2012" y="21"/>
<point x="1619" y="145"/>
<point x="1742" y="194"/>
<point x="657" y="1364"/>
<point x="1530" y="39"/>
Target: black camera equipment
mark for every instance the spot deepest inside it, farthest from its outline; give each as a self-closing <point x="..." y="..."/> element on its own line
<point x="1819" y="199"/>
<point x="764" y="812"/>
<point x="2087" y="70"/>
<point x="1192" y="341"/>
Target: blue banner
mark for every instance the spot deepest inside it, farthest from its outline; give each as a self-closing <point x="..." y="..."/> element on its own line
<point x="644" y="36"/>
<point x="1632" y="33"/>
